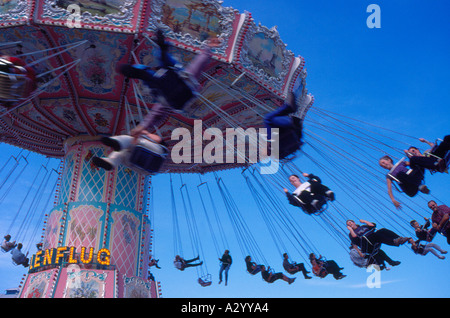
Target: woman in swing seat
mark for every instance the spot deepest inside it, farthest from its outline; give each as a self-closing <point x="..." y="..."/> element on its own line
<point x="310" y="195"/>
<point x="376" y="257"/>
<point x="366" y="236"/>
<point x="409" y="180"/>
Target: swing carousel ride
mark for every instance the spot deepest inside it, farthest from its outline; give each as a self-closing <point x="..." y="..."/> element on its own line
<point x="61" y="92"/>
<point x="100" y="221"/>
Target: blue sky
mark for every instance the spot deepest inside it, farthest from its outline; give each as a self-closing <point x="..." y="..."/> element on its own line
<point x="395" y="77"/>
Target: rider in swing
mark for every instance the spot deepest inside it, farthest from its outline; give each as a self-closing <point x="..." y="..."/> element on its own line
<point x="172" y="89"/>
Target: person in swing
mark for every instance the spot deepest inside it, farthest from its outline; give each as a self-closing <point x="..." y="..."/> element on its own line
<point x="410" y="180"/>
<point x="173" y="91"/>
<point x="7" y="244"/>
<point x="181" y="263"/>
<point x="225" y="264"/>
<point x="19" y="257"/>
<point x="290" y="127"/>
<point x="433" y="159"/>
<point x="251" y="266"/>
<point x="293" y="267"/>
<point x="322" y="267"/>
<point x="366" y="236"/>
<point x="310" y="195"/>
<point x="123" y="146"/>
<point x="271" y="277"/>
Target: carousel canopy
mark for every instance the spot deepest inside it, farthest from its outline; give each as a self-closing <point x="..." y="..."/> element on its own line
<point x="74" y="47"/>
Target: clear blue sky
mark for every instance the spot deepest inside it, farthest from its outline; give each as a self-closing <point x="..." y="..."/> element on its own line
<point x="394" y="77"/>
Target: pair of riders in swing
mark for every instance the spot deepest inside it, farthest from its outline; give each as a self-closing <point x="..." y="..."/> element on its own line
<point x="175" y="87"/>
<point x="410" y="175"/>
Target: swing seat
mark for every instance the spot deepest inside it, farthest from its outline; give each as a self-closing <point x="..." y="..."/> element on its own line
<point x="147" y="156"/>
<point x="319" y="271"/>
<point x="175" y="90"/>
<point x="16" y="81"/>
<point x="309" y="209"/>
<point x="446" y="157"/>
<point x="205" y="281"/>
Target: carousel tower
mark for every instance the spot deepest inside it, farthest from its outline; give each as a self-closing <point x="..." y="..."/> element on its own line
<point x="97" y="236"/>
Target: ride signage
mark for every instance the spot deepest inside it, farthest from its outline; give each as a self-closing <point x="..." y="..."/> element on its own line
<point x="55" y="256"/>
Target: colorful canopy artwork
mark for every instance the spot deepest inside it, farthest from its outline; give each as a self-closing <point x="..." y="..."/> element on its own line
<point x="77" y="45"/>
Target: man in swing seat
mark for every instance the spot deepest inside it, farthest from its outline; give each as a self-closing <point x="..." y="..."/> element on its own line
<point x="18" y="257"/>
<point x="410" y="180"/>
<point x="293" y="268"/>
<point x="440" y="218"/>
<point x="271" y="277"/>
<point x="311" y="195"/>
<point x="146" y="154"/>
<point x="435" y="159"/>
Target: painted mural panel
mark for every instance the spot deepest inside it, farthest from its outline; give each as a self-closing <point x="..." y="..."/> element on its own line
<point x="52" y="227"/>
<point x="39" y="285"/>
<point x="85" y="283"/>
<point x="198" y="18"/>
<point x="135" y="287"/>
<point x="110" y="14"/>
<point x="124" y="238"/>
<point x="84" y="226"/>
<point x="14" y="11"/>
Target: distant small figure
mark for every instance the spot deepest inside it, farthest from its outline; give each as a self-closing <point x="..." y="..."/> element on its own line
<point x="271" y="277"/>
<point x="153" y="262"/>
<point x="18" y="257"/>
<point x="7" y="245"/>
<point x="322" y="268"/>
<point x="226" y="261"/>
<point x="293" y="268"/>
<point x="252" y="267"/>
<point x="180" y="263"/>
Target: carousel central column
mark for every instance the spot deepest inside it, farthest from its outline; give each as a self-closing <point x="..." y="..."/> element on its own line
<point x="100" y="217"/>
